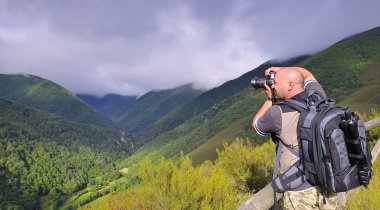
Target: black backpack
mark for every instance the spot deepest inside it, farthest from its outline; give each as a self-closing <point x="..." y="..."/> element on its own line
<point x="334" y="152"/>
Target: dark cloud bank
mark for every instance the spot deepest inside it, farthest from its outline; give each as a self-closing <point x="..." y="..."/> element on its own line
<point x="131" y="47"/>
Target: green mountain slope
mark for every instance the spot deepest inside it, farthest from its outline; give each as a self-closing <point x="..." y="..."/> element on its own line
<point x="43" y="154"/>
<point x="368" y="96"/>
<point x="45" y="95"/>
<point x="152" y="106"/>
<point x="109" y="104"/>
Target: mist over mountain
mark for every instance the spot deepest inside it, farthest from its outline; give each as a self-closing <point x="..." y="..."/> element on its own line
<point x="109" y="104"/>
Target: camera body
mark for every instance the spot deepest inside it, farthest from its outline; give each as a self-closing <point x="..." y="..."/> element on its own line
<point x="259" y="82"/>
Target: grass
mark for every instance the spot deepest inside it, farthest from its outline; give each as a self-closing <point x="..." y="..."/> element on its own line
<point x="77" y="198"/>
<point x="368" y="96"/>
<point x="207" y="151"/>
<point x="100" y="203"/>
<point x="368" y="198"/>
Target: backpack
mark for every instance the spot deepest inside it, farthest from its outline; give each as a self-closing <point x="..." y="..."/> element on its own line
<point x="334" y="152"/>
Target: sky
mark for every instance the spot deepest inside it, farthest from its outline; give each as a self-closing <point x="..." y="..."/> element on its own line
<point x="130" y="47"/>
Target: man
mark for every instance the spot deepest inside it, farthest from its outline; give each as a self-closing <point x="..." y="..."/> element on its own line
<point x="282" y="121"/>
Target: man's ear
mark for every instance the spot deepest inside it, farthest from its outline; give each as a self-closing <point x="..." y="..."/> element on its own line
<point x="290" y="86"/>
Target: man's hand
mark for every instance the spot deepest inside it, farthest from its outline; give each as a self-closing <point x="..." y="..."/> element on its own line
<point x="275" y="69"/>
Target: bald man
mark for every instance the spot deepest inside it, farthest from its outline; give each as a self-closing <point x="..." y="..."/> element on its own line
<point x="281" y="122"/>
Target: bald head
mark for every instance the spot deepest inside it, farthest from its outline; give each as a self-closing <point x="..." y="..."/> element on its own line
<point x="292" y="75"/>
<point x="289" y="82"/>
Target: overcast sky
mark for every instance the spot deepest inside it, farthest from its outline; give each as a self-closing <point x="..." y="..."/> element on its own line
<point x="130" y="47"/>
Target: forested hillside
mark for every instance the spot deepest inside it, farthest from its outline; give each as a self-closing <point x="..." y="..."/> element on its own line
<point x="46" y="95"/>
<point x="43" y="154"/>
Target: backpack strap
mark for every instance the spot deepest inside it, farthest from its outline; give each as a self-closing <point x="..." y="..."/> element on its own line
<point x="278" y="157"/>
<point x="297" y="105"/>
<point x="292" y="178"/>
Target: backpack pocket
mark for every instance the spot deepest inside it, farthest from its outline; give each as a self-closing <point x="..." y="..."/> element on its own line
<point x="290" y="179"/>
<point x="339" y="156"/>
<point x="351" y="180"/>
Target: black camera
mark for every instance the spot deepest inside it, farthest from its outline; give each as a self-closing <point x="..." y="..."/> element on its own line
<point x="259" y="82"/>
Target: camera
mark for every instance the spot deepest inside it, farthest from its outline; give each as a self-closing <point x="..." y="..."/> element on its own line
<point x="259" y="82"/>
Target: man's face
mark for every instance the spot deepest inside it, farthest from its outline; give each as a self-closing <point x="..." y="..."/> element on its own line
<point x="280" y="86"/>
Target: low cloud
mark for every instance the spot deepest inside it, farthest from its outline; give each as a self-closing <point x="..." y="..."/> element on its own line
<point x="127" y="47"/>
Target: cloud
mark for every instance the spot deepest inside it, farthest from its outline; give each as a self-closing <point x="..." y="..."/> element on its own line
<point x="131" y="47"/>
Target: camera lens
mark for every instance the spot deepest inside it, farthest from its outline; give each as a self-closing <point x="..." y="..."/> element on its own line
<point x="258" y="82"/>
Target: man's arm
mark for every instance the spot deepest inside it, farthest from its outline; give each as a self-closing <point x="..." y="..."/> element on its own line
<point x="267" y="104"/>
<point x="307" y="75"/>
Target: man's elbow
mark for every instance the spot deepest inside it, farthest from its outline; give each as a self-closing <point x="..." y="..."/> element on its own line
<point x="256" y="129"/>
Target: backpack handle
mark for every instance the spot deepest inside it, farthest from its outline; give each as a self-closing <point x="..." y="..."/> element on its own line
<point x="314" y="99"/>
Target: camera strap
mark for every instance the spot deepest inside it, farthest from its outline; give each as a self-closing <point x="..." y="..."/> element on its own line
<point x="273" y="96"/>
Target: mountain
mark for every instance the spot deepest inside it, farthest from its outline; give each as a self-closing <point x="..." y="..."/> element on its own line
<point x="109" y="104"/>
<point x="152" y="106"/>
<point x="22" y="122"/>
<point x="43" y="94"/>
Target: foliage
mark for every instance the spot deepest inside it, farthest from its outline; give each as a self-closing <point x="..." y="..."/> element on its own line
<point x="42" y="154"/>
<point x="45" y="168"/>
<point x="219" y="185"/>
<point x="255" y="166"/>
<point x="374" y="133"/>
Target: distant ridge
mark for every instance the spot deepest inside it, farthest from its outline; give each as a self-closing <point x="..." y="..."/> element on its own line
<point x="43" y="94"/>
<point x="34" y="124"/>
